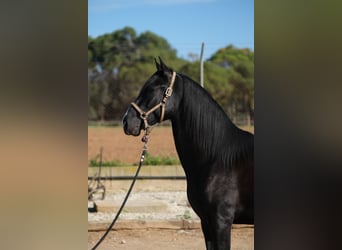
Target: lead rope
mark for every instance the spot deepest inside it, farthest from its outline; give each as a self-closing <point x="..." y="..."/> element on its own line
<point x="142" y="158"/>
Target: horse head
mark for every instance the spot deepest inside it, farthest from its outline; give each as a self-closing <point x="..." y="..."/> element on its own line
<point x="156" y="102"/>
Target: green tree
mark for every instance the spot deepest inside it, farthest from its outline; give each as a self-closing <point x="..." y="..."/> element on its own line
<point x="215" y="80"/>
<point x="239" y="64"/>
<point x="120" y="62"/>
<point x="151" y="45"/>
<point x="98" y="99"/>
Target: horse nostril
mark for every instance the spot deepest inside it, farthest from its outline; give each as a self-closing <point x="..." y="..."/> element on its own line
<point x="124" y="123"/>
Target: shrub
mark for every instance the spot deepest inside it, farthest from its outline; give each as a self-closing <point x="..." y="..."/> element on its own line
<point x="160" y="160"/>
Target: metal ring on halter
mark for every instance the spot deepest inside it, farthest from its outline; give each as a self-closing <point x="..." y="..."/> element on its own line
<point x="168" y="92"/>
<point x="143" y="116"/>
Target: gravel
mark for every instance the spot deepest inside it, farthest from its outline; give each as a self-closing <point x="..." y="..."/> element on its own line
<point x="177" y="207"/>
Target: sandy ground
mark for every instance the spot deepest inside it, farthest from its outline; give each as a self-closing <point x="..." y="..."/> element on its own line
<point x="242" y="239"/>
<point x="117" y="146"/>
<point x="157" y="238"/>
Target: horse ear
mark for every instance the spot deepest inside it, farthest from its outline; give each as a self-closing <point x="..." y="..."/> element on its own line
<point x="163" y="66"/>
<point x="157" y="64"/>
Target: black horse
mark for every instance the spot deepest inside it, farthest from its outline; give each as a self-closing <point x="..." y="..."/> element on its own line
<point x="217" y="157"/>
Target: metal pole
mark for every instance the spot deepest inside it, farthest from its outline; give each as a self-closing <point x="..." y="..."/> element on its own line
<point x="100" y="165"/>
<point x="201" y="65"/>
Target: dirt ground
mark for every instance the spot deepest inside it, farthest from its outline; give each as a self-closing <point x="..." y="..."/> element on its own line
<point x="146" y="239"/>
<point x="118" y="146"/>
<point x="166" y="239"/>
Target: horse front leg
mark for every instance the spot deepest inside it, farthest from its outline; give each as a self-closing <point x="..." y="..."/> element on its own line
<point x="208" y="235"/>
<point x="216" y="237"/>
<point x="222" y="237"/>
<point x="223" y="221"/>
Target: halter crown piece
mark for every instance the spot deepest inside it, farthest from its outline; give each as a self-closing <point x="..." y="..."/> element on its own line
<point x="144" y="115"/>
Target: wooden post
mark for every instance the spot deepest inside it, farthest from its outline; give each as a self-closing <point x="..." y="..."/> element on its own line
<point x="201" y="65"/>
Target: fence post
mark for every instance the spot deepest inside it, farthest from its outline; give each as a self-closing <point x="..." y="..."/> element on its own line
<point x="201" y="65"/>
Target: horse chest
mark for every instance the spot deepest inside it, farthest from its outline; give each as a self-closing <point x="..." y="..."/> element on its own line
<point x="217" y="191"/>
<point x="197" y="199"/>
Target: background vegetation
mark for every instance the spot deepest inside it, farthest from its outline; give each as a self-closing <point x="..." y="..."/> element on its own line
<point x="120" y="62"/>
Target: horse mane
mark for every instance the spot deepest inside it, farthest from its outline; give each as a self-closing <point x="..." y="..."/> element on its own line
<point x="210" y="128"/>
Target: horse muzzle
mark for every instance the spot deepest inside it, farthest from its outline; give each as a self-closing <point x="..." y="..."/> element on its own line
<point x="131" y="125"/>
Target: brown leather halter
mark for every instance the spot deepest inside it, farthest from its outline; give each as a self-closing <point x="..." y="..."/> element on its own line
<point x="144" y="115"/>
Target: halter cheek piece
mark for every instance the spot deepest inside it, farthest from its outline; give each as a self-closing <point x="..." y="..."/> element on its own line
<point x="167" y="94"/>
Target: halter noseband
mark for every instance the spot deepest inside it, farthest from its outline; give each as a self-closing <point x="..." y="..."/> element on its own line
<point x="167" y="94"/>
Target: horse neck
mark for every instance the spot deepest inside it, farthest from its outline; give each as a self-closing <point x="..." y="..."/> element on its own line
<point x="200" y="126"/>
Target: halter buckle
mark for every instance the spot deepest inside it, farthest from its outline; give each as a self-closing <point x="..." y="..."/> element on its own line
<point x="168" y="92"/>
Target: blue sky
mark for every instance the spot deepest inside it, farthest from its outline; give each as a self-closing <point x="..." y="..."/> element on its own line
<point x="185" y="24"/>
